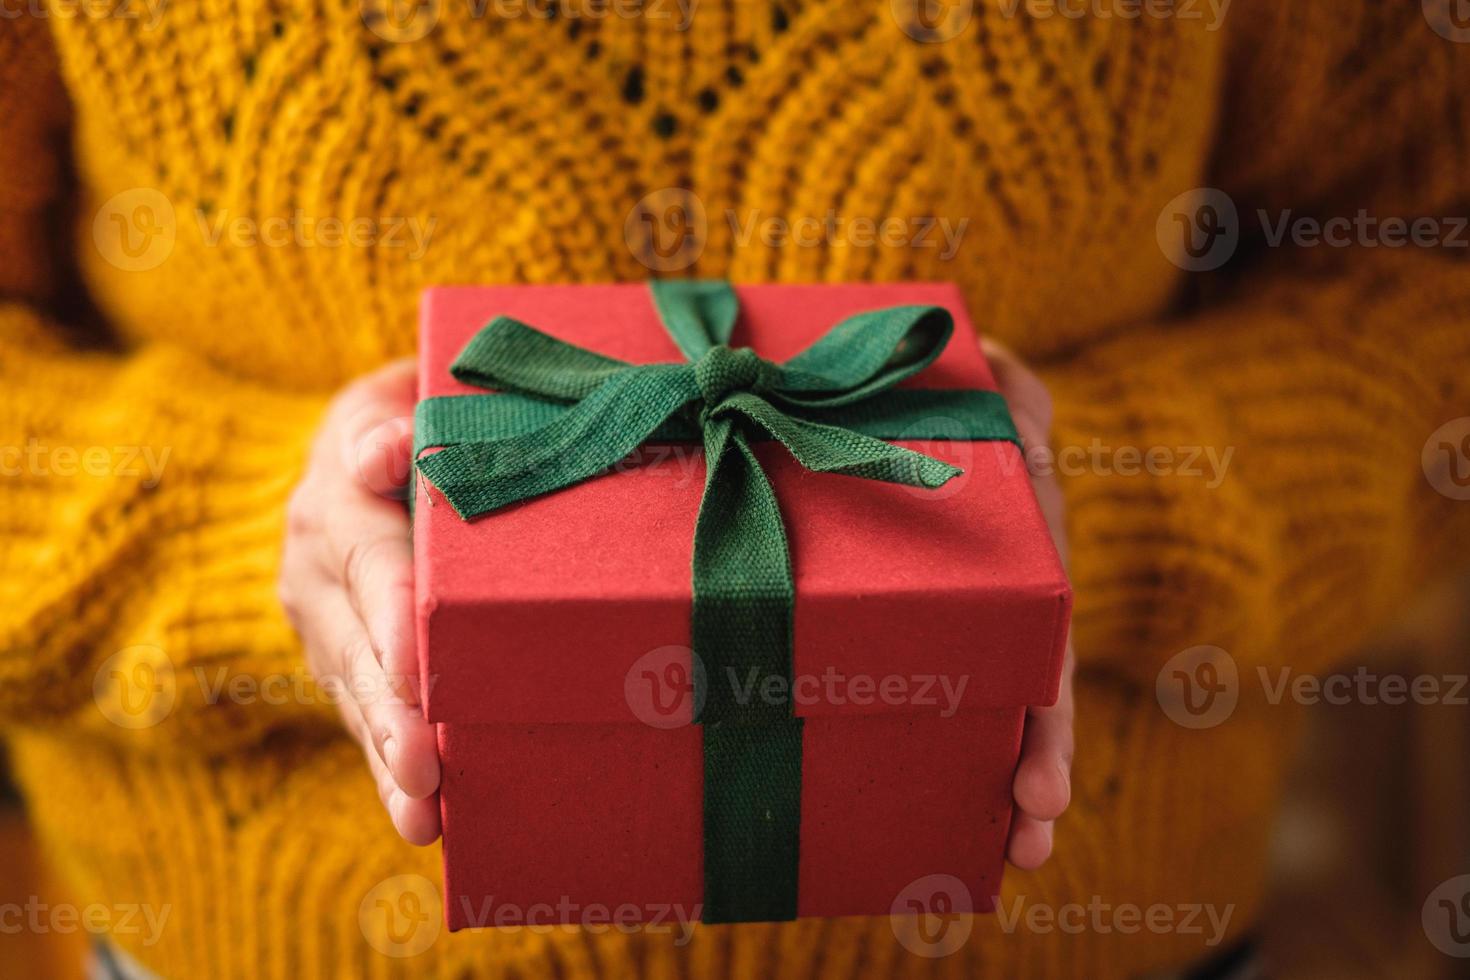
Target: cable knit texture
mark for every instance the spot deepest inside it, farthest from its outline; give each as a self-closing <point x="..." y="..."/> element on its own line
<point x="139" y="151"/>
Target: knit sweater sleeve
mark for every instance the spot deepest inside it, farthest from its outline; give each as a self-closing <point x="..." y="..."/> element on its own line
<point x="1302" y="418"/>
<point x="121" y="470"/>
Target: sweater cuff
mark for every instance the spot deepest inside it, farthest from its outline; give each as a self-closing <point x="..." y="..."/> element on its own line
<point x="145" y="498"/>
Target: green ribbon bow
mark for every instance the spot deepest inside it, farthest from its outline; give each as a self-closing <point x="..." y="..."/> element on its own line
<point x="566" y="414"/>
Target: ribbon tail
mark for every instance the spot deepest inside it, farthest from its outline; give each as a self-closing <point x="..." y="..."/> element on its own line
<point x="960" y="414"/>
<point x="742" y="633"/>
<point x="834" y="449"/>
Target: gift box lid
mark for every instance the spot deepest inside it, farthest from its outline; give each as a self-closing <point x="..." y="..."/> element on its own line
<point x="574" y="606"/>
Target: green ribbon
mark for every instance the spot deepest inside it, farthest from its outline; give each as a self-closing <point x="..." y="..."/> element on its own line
<point x="566" y="414"/>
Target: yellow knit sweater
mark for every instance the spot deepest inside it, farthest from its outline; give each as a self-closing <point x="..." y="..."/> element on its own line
<point x="185" y="158"/>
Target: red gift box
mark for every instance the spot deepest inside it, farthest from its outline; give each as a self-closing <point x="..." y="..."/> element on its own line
<point x="554" y="645"/>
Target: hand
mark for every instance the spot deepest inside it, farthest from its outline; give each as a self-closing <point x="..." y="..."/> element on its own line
<point x="1043" y="785"/>
<point x="347" y="585"/>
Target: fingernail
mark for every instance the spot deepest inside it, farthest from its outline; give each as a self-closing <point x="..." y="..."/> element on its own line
<point x="390" y="755"/>
<point x="397" y="800"/>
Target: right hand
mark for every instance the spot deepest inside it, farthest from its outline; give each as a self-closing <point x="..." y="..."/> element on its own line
<point x="346" y="583"/>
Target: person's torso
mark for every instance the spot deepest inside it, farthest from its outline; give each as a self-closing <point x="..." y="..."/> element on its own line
<point x="271" y="184"/>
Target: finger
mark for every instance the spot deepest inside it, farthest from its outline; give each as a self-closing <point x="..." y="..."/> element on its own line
<point x="373" y="399"/>
<point x="383" y="458"/>
<point x="416" y="820"/>
<point x="1031" y="409"/>
<point x="1024" y="390"/>
<point x="391" y="729"/>
<point x="401" y="737"/>
<point x="367" y="532"/>
<point x="1044" y="774"/>
<point x="367" y="548"/>
<point x="369" y="431"/>
<point x="1030" y="842"/>
<point x="1043" y="784"/>
<point x="1042" y="787"/>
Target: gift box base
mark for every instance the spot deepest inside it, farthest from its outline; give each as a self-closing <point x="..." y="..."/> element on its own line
<point x="886" y="802"/>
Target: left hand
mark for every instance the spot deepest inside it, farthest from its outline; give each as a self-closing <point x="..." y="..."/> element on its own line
<point x="1043" y="784"/>
<point x="346" y="583"/>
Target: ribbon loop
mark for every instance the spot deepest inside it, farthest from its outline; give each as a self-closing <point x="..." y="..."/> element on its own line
<point x="697" y="314"/>
<point x="866" y="354"/>
<point x="511" y="356"/>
